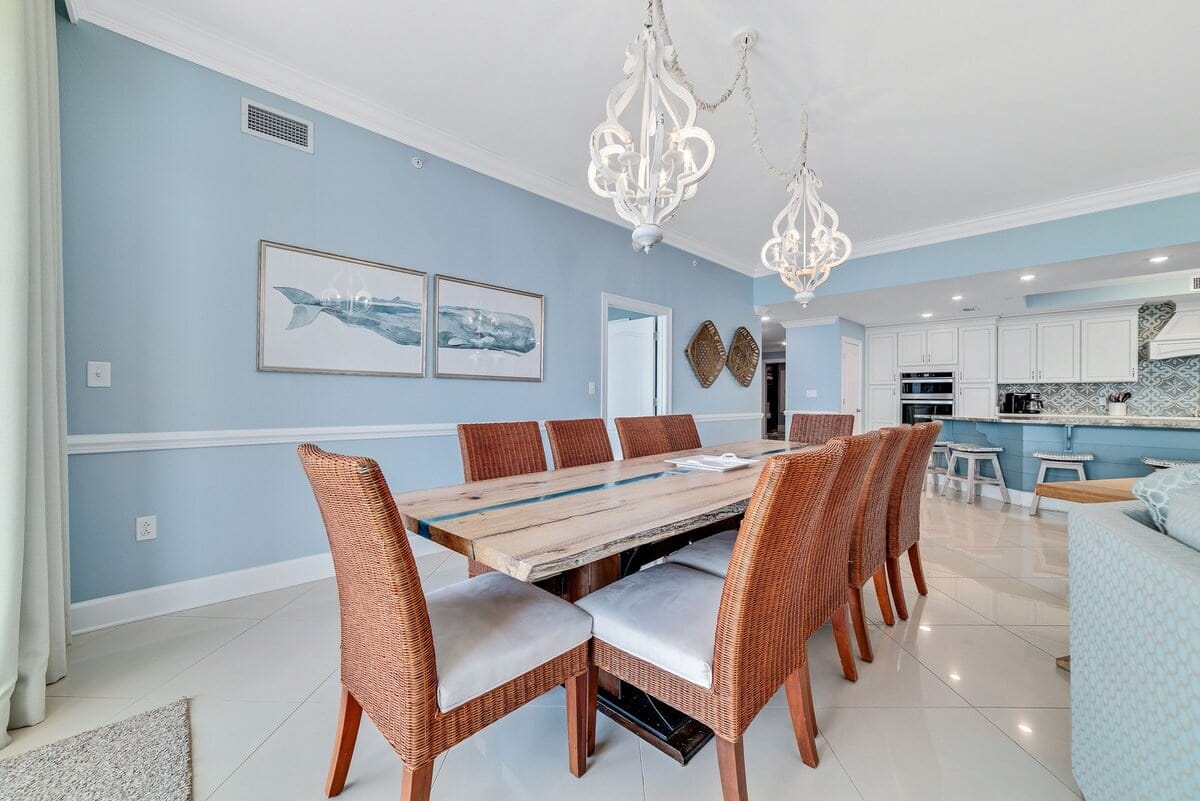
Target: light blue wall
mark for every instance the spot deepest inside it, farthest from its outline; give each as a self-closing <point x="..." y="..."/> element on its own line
<point x="814" y="361"/>
<point x="1146" y="225"/>
<point x="164" y="203"/>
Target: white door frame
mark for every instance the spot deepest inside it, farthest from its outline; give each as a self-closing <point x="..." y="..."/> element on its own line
<point x="859" y="405"/>
<point x="663" y="313"/>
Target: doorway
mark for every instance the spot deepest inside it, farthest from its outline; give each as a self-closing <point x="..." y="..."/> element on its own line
<point x="852" y="380"/>
<point x="635" y="358"/>
<point x="774" y="399"/>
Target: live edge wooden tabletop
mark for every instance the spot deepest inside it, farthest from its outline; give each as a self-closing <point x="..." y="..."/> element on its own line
<point x="540" y="524"/>
<point x="1096" y="490"/>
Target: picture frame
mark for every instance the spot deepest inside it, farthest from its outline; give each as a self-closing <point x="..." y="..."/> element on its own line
<point x="321" y="312"/>
<point x="487" y="331"/>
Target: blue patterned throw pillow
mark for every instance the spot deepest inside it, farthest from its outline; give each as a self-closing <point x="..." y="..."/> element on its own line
<point x="1157" y="489"/>
<point x="1185" y="518"/>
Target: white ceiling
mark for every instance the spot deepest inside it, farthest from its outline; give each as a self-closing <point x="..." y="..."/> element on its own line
<point x="998" y="294"/>
<point x="930" y="120"/>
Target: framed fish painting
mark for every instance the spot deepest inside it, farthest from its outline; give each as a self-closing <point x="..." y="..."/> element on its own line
<point x="487" y="331"/>
<point x="324" y="313"/>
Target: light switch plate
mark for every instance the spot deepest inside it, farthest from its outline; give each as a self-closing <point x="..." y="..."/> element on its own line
<point x="99" y="374"/>
<point x="810" y="393"/>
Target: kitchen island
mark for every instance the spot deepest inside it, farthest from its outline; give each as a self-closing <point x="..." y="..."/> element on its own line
<point x="1118" y="443"/>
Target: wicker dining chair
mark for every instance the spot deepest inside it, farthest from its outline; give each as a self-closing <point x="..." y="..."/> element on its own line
<point x="830" y="599"/>
<point x="719" y="649"/>
<point x="868" y="539"/>
<point x="904" y="512"/>
<point x="578" y="442"/>
<point x="432" y="671"/>
<point x="499" y="450"/>
<point x="642" y="436"/>
<point x="682" y="433"/>
<point x="817" y="428"/>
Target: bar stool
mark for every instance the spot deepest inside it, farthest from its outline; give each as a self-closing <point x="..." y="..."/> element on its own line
<point x="1057" y="460"/>
<point x="1159" y="463"/>
<point x="973" y="455"/>
<point x="940" y="448"/>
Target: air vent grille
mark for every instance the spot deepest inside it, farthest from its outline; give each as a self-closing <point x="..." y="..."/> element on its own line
<point x="1196" y="283"/>
<point x="272" y="124"/>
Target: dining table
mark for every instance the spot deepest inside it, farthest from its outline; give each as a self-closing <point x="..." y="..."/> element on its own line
<point x="578" y="529"/>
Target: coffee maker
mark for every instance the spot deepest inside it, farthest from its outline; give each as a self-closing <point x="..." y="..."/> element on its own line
<point x="1022" y="403"/>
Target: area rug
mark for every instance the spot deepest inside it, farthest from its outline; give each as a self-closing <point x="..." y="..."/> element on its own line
<point x="145" y="758"/>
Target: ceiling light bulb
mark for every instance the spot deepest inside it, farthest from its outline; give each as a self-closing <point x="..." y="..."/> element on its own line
<point x="1157" y="259"/>
<point x="927" y="315"/>
<point x="955" y="676"/>
<point x="1025" y="728"/>
<point x="956" y="297"/>
<point x="1028" y="277"/>
<point x="766" y="318"/>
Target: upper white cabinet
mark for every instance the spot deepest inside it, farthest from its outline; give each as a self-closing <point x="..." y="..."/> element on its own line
<point x="927" y="346"/>
<point x="1017" y="357"/>
<point x="1089" y="346"/>
<point x="1058" y="351"/>
<point x="1109" y="346"/>
<point x="977" y="353"/>
<point x="881" y="359"/>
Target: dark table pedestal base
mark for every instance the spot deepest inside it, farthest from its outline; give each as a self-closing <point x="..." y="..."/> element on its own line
<point x="664" y="727"/>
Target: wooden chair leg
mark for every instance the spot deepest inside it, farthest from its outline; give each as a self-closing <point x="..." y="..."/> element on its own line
<point x="593" y="688"/>
<point x="861" y="633"/>
<point x="731" y="761"/>
<point x="417" y="782"/>
<point x="577" y="723"/>
<point x="799" y="697"/>
<point x="914" y="560"/>
<point x="881" y="594"/>
<point x="349" y="716"/>
<point x="841" y="634"/>
<point x="894" y="579"/>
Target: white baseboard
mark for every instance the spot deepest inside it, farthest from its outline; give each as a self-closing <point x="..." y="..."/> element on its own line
<point x="112" y="610"/>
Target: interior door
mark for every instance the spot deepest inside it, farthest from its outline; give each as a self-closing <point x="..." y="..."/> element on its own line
<point x="630" y="384"/>
<point x="852" y="380"/>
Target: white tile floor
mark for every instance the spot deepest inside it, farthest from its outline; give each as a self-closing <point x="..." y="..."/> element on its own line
<point x="962" y="701"/>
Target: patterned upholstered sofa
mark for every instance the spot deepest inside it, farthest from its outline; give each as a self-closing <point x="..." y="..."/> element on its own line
<point x="1135" y="657"/>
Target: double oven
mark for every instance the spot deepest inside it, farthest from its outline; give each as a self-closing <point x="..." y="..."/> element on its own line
<point x="923" y="395"/>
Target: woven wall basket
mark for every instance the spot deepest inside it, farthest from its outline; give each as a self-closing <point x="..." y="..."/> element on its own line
<point x="743" y="356"/>
<point x="706" y="353"/>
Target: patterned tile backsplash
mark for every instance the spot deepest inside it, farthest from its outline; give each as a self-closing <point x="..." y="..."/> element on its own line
<point x="1165" y="388"/>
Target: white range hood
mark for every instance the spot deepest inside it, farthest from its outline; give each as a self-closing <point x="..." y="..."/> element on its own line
<point x="1181" y="335"/>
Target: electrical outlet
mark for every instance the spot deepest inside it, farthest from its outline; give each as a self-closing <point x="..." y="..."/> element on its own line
<point x="810" y="393"/>
<point x="146" y="528"/>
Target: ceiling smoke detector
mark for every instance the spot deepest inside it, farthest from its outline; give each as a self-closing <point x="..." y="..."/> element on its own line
<point x="970" y="308"/>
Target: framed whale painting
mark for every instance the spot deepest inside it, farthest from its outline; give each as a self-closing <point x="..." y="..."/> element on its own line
<point x="324" y="313"/>
<point x="487" y="331"/>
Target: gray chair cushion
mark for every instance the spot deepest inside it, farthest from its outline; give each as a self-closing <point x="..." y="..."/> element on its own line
<point x="710" y="555"/>
<point x="1185" y="518"/>
<point x="492" y="628"/>
<point x="665" y="615"/>
<point x="1064" y="456"/>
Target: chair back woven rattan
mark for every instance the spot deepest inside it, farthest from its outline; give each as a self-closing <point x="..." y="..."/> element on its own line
<point x="499" y="450"/>
<point x="388" y="667"/>
<point x="682" y="434"/>
<point x="652" y="435"/>
<point x="578" y="442"/>
<point x="868" y="543"/>
<point x="819" y="428"/>
<point x="904" y="501"/>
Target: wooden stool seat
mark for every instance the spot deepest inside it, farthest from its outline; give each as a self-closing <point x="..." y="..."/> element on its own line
<point x="1058" y="460"/>
<point x="973" y="454"/>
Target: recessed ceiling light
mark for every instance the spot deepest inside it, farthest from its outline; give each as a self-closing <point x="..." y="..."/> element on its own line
<point x="956" y="297"/>
<point x="1028" y="277"/>
<point x="1025" y="728"/>
<point x="955" y="676"/>
<point x="925" y="628"/>
<point x="1157" y="259"/>
<point x="926" y="314"/>
<point x="766" y="318"/>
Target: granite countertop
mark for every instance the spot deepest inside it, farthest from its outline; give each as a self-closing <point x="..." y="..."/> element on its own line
<point x="1128" y="421"/>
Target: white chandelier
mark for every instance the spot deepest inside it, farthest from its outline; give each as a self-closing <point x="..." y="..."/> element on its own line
<point x="807" y="244"/>
<point x="647" y="177"/>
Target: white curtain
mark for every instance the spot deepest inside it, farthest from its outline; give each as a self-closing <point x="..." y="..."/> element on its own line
<point x="33" y="478"/>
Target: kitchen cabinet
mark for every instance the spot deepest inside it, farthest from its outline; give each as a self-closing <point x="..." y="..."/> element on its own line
<point x="881" y="359"/>
<point x="977" y="354"/>
<point x="1017" y="358"/>
<point x="1058" y="351"/>
<point x="883" y="406"/>
<point x="927" y="347"/>
<point x="1109" y="348"/>
<point x="976" y="400"/>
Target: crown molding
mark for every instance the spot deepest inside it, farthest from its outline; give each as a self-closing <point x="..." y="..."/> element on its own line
<point x="163" y="31"/>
